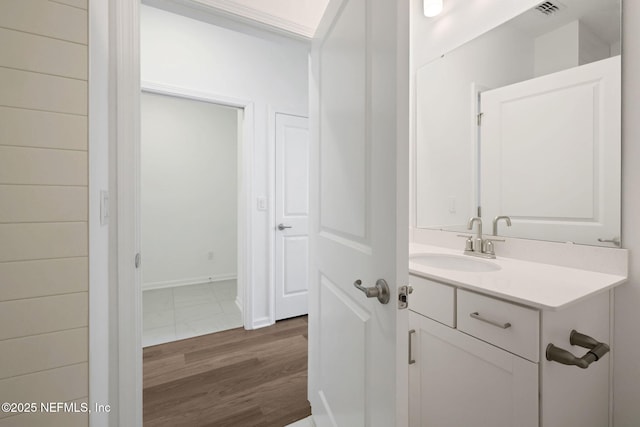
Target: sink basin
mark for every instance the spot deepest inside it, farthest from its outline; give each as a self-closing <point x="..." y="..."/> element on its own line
<point x="454" y="262"/>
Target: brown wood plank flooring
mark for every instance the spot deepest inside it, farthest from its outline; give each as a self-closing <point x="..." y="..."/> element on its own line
<point x="233" y="378"/>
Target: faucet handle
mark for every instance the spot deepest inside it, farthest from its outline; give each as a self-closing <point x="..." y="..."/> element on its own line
<point x="488" y="247"/>
<point x="468" y="244"/>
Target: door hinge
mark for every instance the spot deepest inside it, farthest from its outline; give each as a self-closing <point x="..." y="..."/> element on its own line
<point x="480" y="119"/>
<point x="403" y="296"/>
<point x="137" y="260"/>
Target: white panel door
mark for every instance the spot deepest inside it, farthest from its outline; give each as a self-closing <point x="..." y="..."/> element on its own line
<point x="359" y="214"/>
<point x="551" y="154"/>
<point x="292" y="215"/>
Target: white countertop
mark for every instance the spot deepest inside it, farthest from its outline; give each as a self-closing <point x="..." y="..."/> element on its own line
<point x="543" y="286"/>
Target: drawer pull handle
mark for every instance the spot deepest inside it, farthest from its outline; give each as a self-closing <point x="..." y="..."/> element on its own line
<point x="476" y="315"/>
<point x="411" y="359"/>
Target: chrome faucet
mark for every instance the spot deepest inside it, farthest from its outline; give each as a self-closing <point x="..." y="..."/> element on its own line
<point x="478" y="246"/>
<point x="495" y="223"/>
<point x="477" y="242"/>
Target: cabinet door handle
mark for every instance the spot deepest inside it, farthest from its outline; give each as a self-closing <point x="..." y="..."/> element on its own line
<point x="411" y="359"/>
<point x="477" y="316"/>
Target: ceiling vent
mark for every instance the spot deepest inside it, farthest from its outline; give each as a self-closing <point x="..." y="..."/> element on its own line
<point x="549" y="8"/>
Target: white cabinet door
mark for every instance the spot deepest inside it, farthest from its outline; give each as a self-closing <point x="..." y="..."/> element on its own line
<point x="458" y="380"/>
<point x="292" y="215"/>
<point x="551" y="154"/>
<point x="359" y="213"/>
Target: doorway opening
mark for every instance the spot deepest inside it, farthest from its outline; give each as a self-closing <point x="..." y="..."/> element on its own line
<point x="189" y="216"/>
<point x="193" y="59"/>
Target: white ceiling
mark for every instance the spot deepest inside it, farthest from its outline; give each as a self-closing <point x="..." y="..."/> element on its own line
<point x="300" y="17"/>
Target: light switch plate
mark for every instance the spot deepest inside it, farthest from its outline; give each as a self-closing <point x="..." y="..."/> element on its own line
<point x="104" y="207"/>
<point x="262" y="203"/>
<point x="452" y="204"/>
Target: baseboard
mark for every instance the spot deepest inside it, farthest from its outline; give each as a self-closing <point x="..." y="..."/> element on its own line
<point x="325" y="417"/>
<point x="188" y="281"/>
<point x="262" y="322"/>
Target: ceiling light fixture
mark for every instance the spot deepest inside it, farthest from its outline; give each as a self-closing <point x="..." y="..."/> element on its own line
<point x="432" y="8"/>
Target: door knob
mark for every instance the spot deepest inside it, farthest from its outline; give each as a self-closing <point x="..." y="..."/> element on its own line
<point x="380" y="290"/>
<point x="282" y="226"/>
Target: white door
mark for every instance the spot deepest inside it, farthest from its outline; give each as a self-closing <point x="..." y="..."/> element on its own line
<point x="551" y="154"/>
<point x="292" y="215"/>
<point x="359" y="214"/>
<point x="460" y="381"/>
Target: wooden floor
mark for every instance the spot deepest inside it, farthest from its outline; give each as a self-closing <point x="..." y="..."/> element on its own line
<point x="232" y="378"/>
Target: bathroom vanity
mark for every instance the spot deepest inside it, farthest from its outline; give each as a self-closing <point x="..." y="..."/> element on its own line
<point x="479" y="334"/>
<point x="529" y="134"/>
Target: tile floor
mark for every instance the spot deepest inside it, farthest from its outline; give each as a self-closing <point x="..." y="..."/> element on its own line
<point x="188" y="311"/>
<point x="306" y="422"/>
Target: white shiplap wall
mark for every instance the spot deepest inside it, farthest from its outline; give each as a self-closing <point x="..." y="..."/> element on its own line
<point x="43" y="208"/>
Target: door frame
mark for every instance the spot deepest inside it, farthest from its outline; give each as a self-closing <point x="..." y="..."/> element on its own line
<point x="118" y="379"/>
<point x="99" y="139"/>
<point x="129" y="279"/>
<point x="244" y="186"/>
<point x="125" y="309"/>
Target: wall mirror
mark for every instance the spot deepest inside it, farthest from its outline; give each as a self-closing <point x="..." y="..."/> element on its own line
<point x="524" y="121"/>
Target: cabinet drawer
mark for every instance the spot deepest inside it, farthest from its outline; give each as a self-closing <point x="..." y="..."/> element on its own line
<point x="506" y="325"/>
<point x="433" y="300"/>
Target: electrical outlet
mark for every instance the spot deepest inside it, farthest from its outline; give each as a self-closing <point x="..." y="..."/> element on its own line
<point x="210" y="256"/>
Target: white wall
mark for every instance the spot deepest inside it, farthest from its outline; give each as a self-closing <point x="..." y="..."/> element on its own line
<point x="568" y="46"/>
<point x="269" y="71"/>
<point x="445" y="121"/>
<point x="188" y="191"/>
<point x="558" y="49"/>
<point x="592" y="48"/>
<point x="464" y="20"/>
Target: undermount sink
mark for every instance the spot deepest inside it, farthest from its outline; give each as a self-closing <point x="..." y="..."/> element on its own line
<point x="454" y="262"/>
